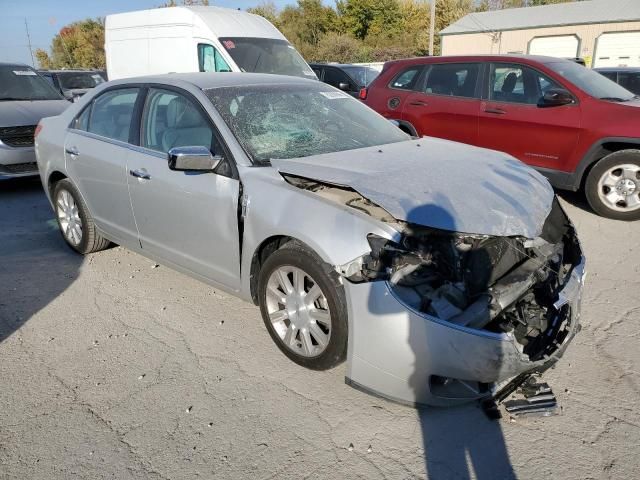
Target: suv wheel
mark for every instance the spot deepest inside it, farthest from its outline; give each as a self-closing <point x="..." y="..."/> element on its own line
<point x="613" y="186"/>
<point x="75" y="221"/>
<point x="303" y="306"/>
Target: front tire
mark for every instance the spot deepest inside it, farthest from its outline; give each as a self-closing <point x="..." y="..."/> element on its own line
<point x="613" y="186"/>
<point x="303" y="306"/>
<point x="74" y="220"/>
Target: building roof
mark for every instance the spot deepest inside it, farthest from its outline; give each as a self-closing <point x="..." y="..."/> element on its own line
<point x="574" y="13"/>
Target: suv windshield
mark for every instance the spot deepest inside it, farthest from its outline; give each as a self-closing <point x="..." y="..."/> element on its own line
<point x="266" y="55"/>
<point x="591" y="82"/>
<point x="73" y="80"/>
<point x="291" y="121"/>
<point x="362" y="75"/>
<point x="18" y="82"/>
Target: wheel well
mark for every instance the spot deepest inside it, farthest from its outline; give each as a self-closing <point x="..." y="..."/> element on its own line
<point x="602" y="151"/>
<point x="405" y="129"/>
<point x="54" y="178"/>
<point x="266" y="248"/>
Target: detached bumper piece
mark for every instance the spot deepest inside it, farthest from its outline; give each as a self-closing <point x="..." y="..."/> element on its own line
<point x="528" y="398"/>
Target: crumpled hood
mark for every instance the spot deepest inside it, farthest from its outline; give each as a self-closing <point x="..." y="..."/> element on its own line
<point x="439" y="184"/>
<point x="19" y="113"/>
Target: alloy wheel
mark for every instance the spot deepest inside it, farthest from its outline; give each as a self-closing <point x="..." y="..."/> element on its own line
<point x="298" y="311"/>
<point x="69" y="217"/>
<point x="619" y="188"/>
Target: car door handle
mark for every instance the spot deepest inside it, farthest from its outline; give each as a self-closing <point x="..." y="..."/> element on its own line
<point x="72" y="151"/>
<point x="496" y="111"/>
<point x="418" y="103"/>
<point x="140" y="174"/>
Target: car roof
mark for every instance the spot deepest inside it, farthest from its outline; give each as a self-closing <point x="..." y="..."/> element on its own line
<point x="11" y="64"/>
<point x="339" y="65"/>
<point x="77" y="70"/>
<point x="617" y="69"/>
<point x="206" y="80"/>
<point x="480" y="58"/>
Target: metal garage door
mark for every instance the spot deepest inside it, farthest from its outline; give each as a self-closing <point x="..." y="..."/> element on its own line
<point x="564" y="46"/>
<point x="618" y="50"/>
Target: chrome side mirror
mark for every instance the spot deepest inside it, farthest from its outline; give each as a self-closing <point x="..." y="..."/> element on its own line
<point x="197" y="159"/>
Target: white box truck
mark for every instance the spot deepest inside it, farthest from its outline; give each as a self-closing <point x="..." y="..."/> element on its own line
<point x="197" y="39"/>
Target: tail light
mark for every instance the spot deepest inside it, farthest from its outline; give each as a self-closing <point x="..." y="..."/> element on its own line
<point x="37" y="131"/>
<point x="363" y="93"/>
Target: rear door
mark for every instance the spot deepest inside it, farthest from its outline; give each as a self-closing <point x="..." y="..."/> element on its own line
<point x="447" y="103"/>
<point x="388" y="100"/>
<point x="512" y="122"/>
<point x="96" y="149"/>
<point x="189" y="219"/>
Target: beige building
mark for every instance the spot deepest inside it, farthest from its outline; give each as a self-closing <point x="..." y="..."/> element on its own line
<point x="606" y="33"/>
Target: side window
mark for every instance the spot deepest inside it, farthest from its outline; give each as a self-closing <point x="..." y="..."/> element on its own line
<point x="630" y="81"/>
<point x="318" y="72"/>
<point x="335" y="76"/>
<point x="112" y="112"/>
<point x="406" y="80"/>
<point x="210" y="60"/>
<point x="518" y="84"/>
<point x="454" y="79"/>
<point x="610" y="75"/>
<point x="81" y="122"/>
<point x="172" y="120"/>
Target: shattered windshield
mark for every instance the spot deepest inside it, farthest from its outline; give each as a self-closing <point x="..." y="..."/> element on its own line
<point x="267" y="55"/>
<point x="292" y="121"/>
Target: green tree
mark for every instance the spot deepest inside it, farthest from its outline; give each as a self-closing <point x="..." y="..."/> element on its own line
<point x="361" y="18"/>
<point x="77" y="45"/>
<point x="267" y="10"/>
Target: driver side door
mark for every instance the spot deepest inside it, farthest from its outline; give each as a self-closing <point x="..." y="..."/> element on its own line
<point x="185" y="218"/>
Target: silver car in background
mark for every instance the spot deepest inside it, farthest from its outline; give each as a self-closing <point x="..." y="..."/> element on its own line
<point x="436" y="269"/>
<point x="25" y="98"/>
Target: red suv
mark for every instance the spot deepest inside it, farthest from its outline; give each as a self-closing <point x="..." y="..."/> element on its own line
<point x="578" y="128"/>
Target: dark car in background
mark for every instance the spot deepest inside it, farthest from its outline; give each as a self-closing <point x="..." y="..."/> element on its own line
<point x="578" y="128"/>
<point x="74" y="83"/>
<point x="628" y="77"/>
<point x="348" y="78"/>
<point x="25" y="98"/>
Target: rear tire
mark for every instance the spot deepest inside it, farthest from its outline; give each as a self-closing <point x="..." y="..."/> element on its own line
<point x="75" y="221"/>
<point x="304" y="307"/>
<point x="613" y="186"/>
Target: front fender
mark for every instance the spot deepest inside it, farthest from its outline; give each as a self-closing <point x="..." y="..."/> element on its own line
<point x="337" y="233"/>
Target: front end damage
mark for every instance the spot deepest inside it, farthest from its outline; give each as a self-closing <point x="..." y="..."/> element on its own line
<point x="440" y="317"/>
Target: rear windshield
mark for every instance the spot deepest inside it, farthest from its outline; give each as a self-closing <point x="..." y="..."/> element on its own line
<point x="362" y="75"/>
<point x="22" y="83"/>
<point x="591" y="82"/>
<point x="266" y="55"/>
<point x="72" y="80"/>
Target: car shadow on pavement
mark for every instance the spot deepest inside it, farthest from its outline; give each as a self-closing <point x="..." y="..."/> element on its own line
<point x="36" y="265"/>
<point x="577" y="199"/>
<point x="459" y="442"/>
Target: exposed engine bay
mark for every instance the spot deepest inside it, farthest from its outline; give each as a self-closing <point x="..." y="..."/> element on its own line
<point x="499" y="284"/>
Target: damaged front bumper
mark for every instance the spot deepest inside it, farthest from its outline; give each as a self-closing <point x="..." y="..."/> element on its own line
<point x="405" y="355"/>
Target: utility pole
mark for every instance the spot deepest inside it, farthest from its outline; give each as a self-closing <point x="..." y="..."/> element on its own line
<point x="432" y="26"/>
<point x="26" y="26"/>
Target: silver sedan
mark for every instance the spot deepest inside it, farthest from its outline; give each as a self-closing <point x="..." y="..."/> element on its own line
<point x="436" y="269"/>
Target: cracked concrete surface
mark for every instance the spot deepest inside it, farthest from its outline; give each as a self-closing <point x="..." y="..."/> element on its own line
<point x="110" y="368"/>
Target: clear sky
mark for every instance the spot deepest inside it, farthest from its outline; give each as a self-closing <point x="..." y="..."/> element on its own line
<point x="46" y="17"/>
